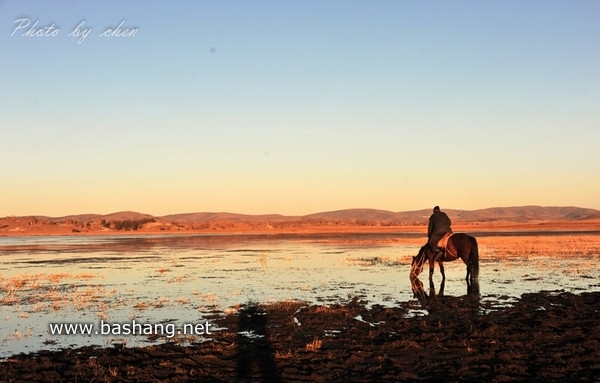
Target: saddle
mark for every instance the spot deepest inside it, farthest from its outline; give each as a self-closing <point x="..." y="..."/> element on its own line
<point x="443" y="245"/>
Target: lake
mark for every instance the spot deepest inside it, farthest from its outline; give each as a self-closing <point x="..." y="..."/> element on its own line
<point x="178" y="280"/>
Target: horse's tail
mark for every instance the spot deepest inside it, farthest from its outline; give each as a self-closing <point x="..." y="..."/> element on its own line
<point x="474" y="258"/>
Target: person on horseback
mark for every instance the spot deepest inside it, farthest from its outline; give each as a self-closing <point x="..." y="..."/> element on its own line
<point x="439" y="225"/>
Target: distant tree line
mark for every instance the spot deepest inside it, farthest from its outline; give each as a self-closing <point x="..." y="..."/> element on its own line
<point x="127" y="224"/>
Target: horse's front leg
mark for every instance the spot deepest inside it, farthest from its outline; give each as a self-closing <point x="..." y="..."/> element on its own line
<point x="442" y="270"/>
<point x="431" y="268"/>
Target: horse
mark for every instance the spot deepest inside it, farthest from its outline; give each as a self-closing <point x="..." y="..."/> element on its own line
<point x="459" y="245"/>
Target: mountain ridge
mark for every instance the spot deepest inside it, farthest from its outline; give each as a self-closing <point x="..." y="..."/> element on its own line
<point x="359" y="220"/>
<point x="525" y="213"/>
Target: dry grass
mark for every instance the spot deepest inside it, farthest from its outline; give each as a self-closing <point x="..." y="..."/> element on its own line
<point x="287" y="305"/>
<point x="314" y="345"/>
<point x="283" y="355"/>
<point x="374" y="261"/>
<point x="46" y="292"/>
<point x="326" y="310"/>
<point x="162" y="302"/>
<point x="232" y="310"/>
<point x="582" y="245"/>
<point x="207" y="298"/>
<point x="177" y="279"/>
<point x="262" y="259"/>
<point x="182" y="300"/>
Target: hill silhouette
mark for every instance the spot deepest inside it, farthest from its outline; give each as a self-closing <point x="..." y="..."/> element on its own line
<point x="508" y="214"/>
<point x="346" y="220"/>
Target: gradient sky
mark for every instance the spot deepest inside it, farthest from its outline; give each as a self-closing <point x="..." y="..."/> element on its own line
<point x="296" y="107"/>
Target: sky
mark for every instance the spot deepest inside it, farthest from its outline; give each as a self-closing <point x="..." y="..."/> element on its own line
<point x="296" y="107"/>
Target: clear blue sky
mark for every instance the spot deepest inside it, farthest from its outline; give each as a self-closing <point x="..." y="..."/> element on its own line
<point x="296" y="107"/>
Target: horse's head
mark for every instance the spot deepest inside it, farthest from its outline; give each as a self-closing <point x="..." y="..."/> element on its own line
<point x="418" y="262"/>
<point x="417" y="288"/>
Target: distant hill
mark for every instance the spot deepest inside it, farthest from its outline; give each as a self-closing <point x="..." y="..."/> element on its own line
<point x="354" y="214"/>
<point x="119" y="216"/>
<point x="529" y="213"/>
<point x="203" y="217"/>
<point x="508" y="214"/>
<point x="348" y="218"/>
<point x="516" y="214"/>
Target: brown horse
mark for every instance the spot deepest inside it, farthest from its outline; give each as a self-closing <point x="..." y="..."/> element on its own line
<point x="459" y="245"/>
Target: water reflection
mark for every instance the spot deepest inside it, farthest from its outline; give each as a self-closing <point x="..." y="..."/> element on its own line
<point x="432" y="301"/>
<point x="133" y="243"/>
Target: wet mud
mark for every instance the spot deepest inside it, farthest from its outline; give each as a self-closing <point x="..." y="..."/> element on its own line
<point x="545" y="336"/>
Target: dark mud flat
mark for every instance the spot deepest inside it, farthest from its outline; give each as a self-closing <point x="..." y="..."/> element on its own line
<point x="546" y="337"/>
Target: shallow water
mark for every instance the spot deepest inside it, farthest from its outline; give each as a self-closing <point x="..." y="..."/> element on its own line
<point x="187" y="279"/>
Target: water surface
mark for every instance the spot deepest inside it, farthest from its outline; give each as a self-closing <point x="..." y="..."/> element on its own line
<point x="186" y="279"/>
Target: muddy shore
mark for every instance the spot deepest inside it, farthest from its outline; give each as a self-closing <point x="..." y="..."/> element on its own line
<point x="546" y="336"/>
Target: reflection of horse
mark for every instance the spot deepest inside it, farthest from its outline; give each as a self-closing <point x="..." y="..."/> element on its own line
<point x="432" y="301"/>
<point x="459" y="245"/>
<point x="419" y="291"/>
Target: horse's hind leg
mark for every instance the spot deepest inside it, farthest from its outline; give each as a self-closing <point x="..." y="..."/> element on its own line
<point x="442" y="270"/>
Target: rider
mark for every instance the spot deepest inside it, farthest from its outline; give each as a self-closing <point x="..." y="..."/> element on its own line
<point x="439" y="225"/>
